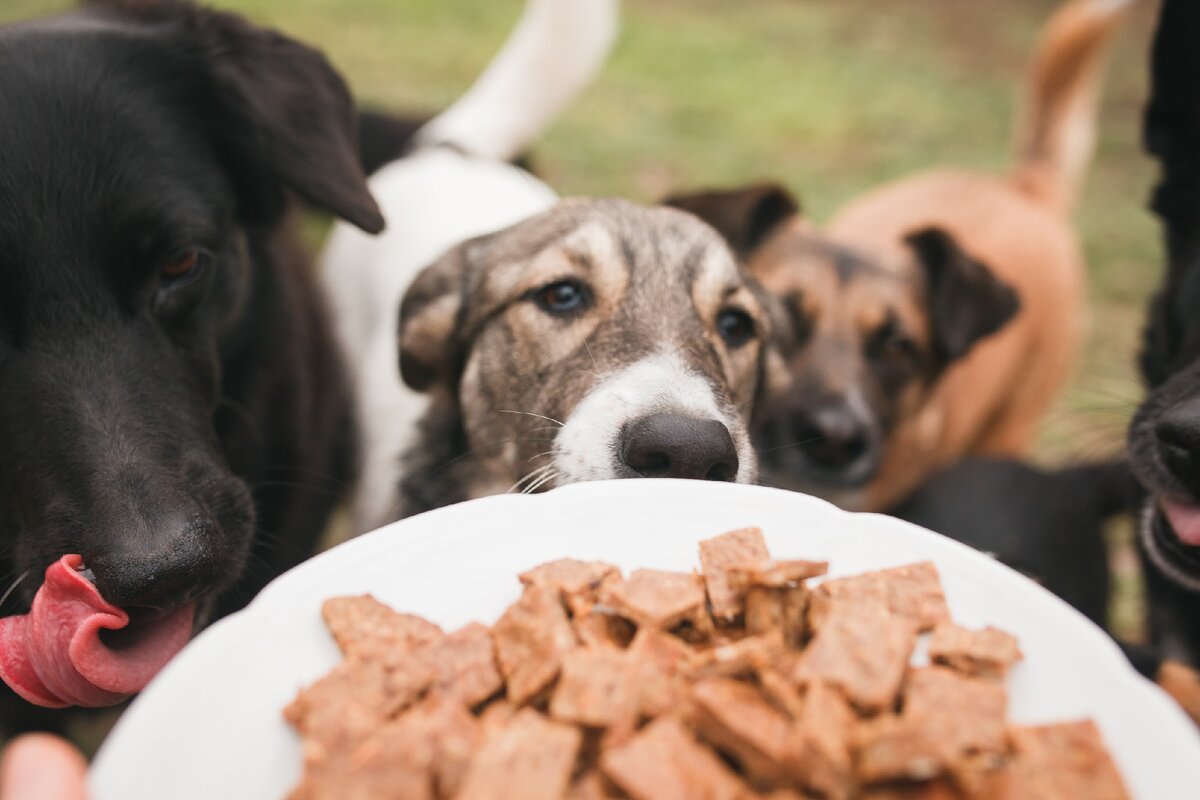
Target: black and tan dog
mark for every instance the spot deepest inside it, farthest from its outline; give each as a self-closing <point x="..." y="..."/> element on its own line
<point x="934" y="317"/>
<point x="1164" y="438"/>
<point x="175" y="425"/>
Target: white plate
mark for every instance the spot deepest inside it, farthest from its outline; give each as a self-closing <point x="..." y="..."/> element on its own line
<point x="210" y="727"/>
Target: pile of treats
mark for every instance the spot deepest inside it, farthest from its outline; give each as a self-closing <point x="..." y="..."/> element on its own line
<point x="743" y="682"/>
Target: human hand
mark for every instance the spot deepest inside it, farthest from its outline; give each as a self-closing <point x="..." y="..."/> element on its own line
<point x="39" y="766"/>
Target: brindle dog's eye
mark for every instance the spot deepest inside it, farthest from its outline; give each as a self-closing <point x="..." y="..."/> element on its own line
<point x="183" y="267"/>
<point x="735" y="326"/>
<point x="561" y="297"/>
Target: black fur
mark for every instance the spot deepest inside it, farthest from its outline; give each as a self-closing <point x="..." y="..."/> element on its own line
<point x="1170" y="358"/>
<point x="745" y="216"/>
<point x="188" y="436"/>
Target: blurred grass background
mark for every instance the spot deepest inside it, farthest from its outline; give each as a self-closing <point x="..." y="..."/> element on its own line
<point x="830" y="97"/>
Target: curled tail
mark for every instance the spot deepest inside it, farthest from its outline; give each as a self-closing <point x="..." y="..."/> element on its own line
<point x="555" y="50"/>
<point x="1056" y="129"/>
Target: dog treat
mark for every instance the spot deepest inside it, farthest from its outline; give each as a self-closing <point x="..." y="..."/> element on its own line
<point x="531" y="639"/>
<point x="1067" y="760"/>
<point x="988" y="653"/>
<point x="656" y="598"/>
<point x="366" y="627"/>
<point x="717" y="555"/>
<point x="746" y="683"/>
<point x="665" y="760"/>
<point x="862" y="648"/>
<point x="913" y="591"/>
<point x="577" y="581"/>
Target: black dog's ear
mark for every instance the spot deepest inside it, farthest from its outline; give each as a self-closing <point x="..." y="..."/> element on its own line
<point x="966" y="300"/>
<point x="744" y="216"/>
<point x="280" y="116"/>
<point x="431" y="341"/>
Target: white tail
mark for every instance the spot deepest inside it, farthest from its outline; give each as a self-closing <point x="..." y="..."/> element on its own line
<point x="552" y="54"/>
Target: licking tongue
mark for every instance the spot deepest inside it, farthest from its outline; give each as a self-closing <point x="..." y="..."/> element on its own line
<point x="1184" y="519"/>
<point x="53" y="656"/>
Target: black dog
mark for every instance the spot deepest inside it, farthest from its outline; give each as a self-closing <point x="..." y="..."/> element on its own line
<point x="172" y="407"/>
<point x="1164" y="439"/>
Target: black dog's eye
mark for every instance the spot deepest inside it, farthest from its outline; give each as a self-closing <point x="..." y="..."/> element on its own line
<point x="735" y="326"/>
<point x="183" y="267"/>
<point x="561" y="298"/>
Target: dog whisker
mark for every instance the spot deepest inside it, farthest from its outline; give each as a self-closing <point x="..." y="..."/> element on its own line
<point x="530" y="478"/>
<point x="531" y="414"/>
<point x="474" y="450"/>
<point x="549" y="476"/>
<point x="13" y="587"/>
<point x="793" y="443"/>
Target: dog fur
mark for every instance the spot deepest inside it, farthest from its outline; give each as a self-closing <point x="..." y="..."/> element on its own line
<point x="172" y="403"/>
<point x="1164" y="437"/>
<point x="652" y="373"/>
<point x="522" y="396"/>
<point x="908" y="348"/>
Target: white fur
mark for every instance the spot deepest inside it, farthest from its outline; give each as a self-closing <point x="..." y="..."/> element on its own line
<point x="587" y="448"/>
<point x="551" y="56"/>
<point x="436" y="198"/>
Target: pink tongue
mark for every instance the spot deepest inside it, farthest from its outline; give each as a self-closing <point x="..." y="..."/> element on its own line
<point x="53" y="656"/>
<point x="1184" y="519"/>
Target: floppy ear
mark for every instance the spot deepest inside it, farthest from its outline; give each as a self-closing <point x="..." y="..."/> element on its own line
<point x="279" y="114"/>
<point x="745" y="216"/>
<point x="431" y="340"/>
<point x="966" y="301"/>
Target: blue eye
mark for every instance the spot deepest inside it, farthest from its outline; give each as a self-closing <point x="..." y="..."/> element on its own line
<point x="561" y="297"/>
<point x="735" y="327"/>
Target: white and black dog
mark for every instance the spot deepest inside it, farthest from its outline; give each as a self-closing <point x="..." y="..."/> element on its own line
<point x="539" y="342"/>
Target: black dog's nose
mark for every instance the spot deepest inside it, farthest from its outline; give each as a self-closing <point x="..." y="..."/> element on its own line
<point x="174" y="567"/>
<point x="675" y="446"/>
<point x="832" y="438"/>
<point x="1178" y="433"/>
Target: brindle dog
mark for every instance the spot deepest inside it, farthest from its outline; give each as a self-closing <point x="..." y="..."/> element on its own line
<point x="596" y="340"/>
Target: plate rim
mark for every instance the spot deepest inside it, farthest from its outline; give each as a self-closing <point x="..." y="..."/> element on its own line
<point x="415" y="531"/>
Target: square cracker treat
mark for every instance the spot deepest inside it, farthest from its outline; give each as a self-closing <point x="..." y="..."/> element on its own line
<point x="664" y="760"/>
<point x="913" y="591"/>
<point x="862" y="649"/>
<point x="1062" y="762"/>
<point x="720" y="553"/>
<point x="578" y="582"/>
<point x="656" y="598"/>
<point x="986" y="653"/>
<point x="531" y="638"/>
<point x="364" y="627"/>
<point x="531" y="758"/>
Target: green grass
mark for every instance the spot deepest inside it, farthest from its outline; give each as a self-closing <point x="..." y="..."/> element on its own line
<point x="830" y="97"/>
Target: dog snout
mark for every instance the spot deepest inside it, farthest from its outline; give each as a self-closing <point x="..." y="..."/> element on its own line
<point x="1178" y="434"/>
<point x="181" y="566"/>
<point x="834" y="439"/>
<point x="678" y="446"/>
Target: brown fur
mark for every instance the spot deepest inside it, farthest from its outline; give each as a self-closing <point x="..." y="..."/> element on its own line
<point x="987" y="396"/>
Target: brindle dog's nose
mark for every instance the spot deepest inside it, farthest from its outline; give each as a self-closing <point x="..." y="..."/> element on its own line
<point x="832" y="438"/>
<point x="1178" y="433"/>
<point x="676" y="446"/>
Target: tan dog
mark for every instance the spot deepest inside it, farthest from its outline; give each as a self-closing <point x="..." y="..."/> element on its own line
<point x="882" y="376"/>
